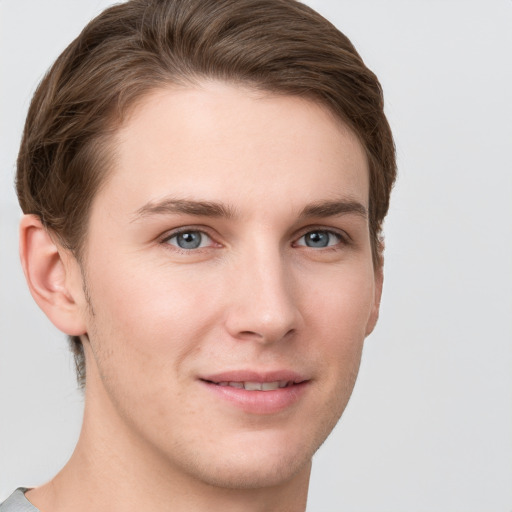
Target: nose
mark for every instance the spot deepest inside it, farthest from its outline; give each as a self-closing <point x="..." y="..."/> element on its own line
<point x="264" y="305"/>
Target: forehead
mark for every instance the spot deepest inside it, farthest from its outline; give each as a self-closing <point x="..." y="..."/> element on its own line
<point x="235" y="145"/>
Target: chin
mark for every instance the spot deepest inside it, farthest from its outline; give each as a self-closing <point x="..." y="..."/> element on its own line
<point x="247" y="472"/>
<point x="257" y="459"/>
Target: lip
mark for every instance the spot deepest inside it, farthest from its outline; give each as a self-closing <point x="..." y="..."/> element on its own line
<point x="257" y="402"/>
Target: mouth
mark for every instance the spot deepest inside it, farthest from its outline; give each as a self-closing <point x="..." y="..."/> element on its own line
<point x="254" y="385"/>
<point x="258" y="393"/>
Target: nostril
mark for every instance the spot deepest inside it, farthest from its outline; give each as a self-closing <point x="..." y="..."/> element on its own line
<point x="251" y="333"/>
<point x="266" y="336"/>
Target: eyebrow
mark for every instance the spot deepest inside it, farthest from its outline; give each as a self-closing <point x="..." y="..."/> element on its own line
<point x="220" y="210"/>
<point x="199" y="208"/>
<point x="334" y="209"/>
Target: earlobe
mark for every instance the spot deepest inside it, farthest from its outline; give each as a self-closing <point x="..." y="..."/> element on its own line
<point x="53" y="276"/>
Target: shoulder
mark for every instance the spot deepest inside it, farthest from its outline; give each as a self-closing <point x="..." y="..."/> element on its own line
<point x="17" y="502"/>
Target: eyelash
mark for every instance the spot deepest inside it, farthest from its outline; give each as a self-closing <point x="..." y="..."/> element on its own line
<point x="342" y="237"/>
<point x="183" y="231"/>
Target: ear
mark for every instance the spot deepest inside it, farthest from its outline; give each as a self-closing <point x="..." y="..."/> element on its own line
<point x="374" y="314"/>
<point x="53" y="277"/>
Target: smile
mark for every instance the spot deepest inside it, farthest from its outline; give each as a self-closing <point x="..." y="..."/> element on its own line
<point x="257" y="393"/>
<point x="257" y="386"/>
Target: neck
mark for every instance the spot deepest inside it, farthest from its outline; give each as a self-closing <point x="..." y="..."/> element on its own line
<point x="111" y="469"/>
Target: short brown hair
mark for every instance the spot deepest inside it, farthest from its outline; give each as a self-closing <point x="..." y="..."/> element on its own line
<point x="280" y="46"/>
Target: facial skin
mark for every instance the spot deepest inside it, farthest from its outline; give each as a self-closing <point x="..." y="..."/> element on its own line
<point x="273" y="281"/>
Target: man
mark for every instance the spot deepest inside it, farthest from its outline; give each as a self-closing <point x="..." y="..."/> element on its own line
<point x="204" y="184"/>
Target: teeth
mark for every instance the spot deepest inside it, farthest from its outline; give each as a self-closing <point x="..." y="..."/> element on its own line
<point x="257" y="386"/>
<point x="253" y="386"/>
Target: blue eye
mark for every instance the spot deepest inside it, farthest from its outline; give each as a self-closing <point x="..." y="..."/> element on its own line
<point x="189" y="240"/>
<point x="319" y="239"/>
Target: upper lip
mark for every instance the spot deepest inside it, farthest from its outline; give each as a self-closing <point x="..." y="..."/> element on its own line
<point x="255" y="376"/>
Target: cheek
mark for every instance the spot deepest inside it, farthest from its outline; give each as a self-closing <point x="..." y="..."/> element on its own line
<point x="342" y="302"/>
<point x="150" y="298"/>
<point x="153" y="316"/>
<point x="339" y="312"/>
<point x="146" y="328"/>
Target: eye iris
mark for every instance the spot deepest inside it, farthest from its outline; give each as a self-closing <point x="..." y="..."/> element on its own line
<point x="317" y="239"/>
<point x="189" y="240"/>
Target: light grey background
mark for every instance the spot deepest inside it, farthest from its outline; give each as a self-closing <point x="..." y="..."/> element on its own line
<point x="429" y="427"/>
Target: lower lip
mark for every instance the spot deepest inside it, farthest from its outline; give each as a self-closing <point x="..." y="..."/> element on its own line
<point x="259" y="402"/>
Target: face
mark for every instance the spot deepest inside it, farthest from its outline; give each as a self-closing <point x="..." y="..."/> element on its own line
<point x="230" y="282"/>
